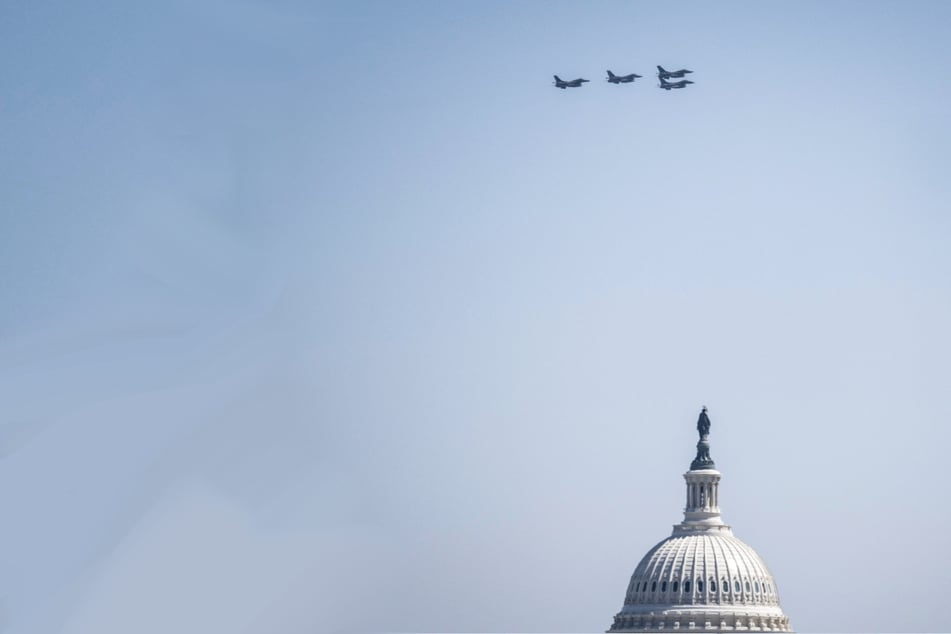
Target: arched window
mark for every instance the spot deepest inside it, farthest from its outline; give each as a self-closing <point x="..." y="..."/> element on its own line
<point x="699" y="585"/>
<point x="663" y="586"/>
<point x="654" y="586"/>
<point x="736" y="585"/>
<point x="724" y="585"/>
<point x="747" y="584"/>
<point x="637" y="587"/>
<point x="713" y="584"/>
<point x="676" y="584"/>
<point x="687" y="585"/>
<point x="643" y="587"/>
<point x="756" y="585"/>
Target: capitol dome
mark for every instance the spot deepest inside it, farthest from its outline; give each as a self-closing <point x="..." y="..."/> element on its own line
<point x="701" y="577"/>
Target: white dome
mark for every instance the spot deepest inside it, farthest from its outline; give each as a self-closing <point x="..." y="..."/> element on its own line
<point x="701" y="577"/>
<point x="707" y="569"/>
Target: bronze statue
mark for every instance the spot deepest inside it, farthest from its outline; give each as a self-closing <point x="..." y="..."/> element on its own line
<point x="703" y="459"/>
<point x="703" y="424"/>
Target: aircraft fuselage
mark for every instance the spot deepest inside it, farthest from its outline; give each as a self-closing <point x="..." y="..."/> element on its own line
<point x="672" y="74"/>
<point x="574" y="83"/>
<point x="621" y="79"/>
<point x="667" y="85"/>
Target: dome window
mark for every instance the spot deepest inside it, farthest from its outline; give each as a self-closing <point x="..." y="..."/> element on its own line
<point x="637" y="587"/>
<point x="687" y="585"/>
<point x="747" y="584"/>
<point x="663" y="586"/>
<point x="713" y="584"/>
<point x="756" y="585"/>
<point x="736" y="585"/>
<point x="643" y="587"/>
<point x="724" y="585"/>
<point x="676" y="585"/>
<point x="699" y="585"/>
<point x="654" y="586"/>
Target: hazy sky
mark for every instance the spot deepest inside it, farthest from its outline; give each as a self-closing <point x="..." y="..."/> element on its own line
<point x="339" y="317"/>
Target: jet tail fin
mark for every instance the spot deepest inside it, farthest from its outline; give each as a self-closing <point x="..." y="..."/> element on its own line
<point x="661" y="68"/>
<point x="610" y="74"/>
<point x="557" y="78"/>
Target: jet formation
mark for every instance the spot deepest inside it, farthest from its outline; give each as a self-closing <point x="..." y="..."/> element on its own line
<point x="662" y="76"/>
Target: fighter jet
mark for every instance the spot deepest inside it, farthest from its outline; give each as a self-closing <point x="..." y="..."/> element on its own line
<point x="574" y="83"/>
<point x="623" y="79"/>
<point x="671" y="74"/>
<point x="670" y="85"/>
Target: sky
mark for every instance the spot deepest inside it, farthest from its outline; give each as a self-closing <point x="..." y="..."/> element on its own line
<point x="339" y="317"/>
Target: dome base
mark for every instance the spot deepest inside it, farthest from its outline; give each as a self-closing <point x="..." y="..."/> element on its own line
<point x="697" y="528"/>
<point x="686" y="620"/>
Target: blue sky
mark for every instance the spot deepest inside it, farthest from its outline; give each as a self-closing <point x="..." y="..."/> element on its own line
<point x="340" y="317"/>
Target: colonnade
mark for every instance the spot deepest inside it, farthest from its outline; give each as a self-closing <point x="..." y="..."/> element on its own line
<point x="703" y="496"/>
